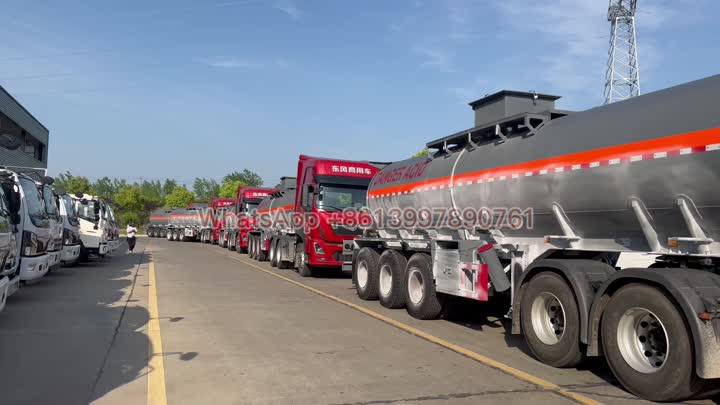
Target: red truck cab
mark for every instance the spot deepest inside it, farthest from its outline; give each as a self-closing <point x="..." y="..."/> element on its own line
<point x="213" y="219"/>
<point x="333" y="192"/>
<point x="242" y="218"/>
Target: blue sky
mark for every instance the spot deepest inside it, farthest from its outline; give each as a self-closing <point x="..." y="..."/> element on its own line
<point x="182" y="89"/>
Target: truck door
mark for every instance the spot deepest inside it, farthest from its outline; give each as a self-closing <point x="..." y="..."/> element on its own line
<point x="6" y="229"/>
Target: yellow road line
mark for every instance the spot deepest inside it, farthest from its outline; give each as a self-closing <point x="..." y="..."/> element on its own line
<point x="156" y="394"/>
<point x="547" y="385"/>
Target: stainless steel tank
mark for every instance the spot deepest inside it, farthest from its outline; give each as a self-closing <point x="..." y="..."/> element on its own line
<point x="592" y="173"/>
<point x="274" y="211"/>
<point x="159" y="218"/>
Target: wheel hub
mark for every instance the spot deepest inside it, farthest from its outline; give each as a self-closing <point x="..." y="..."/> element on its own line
<point x="385" y="280"/>
<point x="548" y="318"/>
<point x="642" y="340"/>
<point x="362" y="273"/>
<point x="416" y="286"/>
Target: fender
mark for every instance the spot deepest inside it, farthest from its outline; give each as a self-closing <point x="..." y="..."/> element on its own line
<point x="584" y="276"/>
<point x="693" y="291"/>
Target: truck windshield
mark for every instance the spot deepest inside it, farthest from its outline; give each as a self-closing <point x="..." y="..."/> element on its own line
<point x="49" y="199"/>
<point x="111" y="214"/>
<point x="251" y="206"/>
<point x="69" y="210"/>
<point x="86" y="211"/>
<point x="339" y="197"/>
<point x="35" y="206"/>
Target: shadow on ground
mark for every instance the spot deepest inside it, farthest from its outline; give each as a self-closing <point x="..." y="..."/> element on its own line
<point x="73" y="336"/>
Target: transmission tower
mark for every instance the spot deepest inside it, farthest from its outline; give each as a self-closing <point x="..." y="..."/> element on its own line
<point x="622" y="79"/>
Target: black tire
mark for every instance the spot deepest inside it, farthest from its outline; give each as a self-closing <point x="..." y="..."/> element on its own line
<point x="83" y="254"/>
<point x="231" y="242"/>
<point x="273" y="253"/>
<point x="261" y="254"/>
<point x="423" y="304"/>
<point x="676" y="379"/>
<point x="365" y="274"/>
<point x="544" y="291"/>
<point x="251" y="247"/>
<point x="391" y="279"/>
<point x="306" y="270"/>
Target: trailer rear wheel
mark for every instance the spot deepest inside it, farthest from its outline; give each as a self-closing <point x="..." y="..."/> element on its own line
<point x="391" y="279"/>
<point x="251" y="247"/>
<point x="647" y="345"/>
<point x="551" y="321"/>
<point x="421" y="299"/>
<point x="273" y="253"/>
<point x="261" y="254"/>
<point x="365" y="273"/>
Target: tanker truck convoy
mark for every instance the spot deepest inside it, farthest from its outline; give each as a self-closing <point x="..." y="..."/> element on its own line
<point x="305" y="230"/>
<point x="539" y="203"/>
<point x="185" y="224"/>
<point x="241" y="221"/>
<point x="159" y="221"/>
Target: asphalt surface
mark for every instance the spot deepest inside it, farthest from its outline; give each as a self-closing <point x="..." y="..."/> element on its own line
<point x="232" y="333"/>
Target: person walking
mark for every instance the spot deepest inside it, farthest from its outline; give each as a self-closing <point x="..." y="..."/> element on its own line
<point x="131" y="231"/>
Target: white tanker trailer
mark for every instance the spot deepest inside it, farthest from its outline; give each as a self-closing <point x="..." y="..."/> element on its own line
<point x="539" y="203"/>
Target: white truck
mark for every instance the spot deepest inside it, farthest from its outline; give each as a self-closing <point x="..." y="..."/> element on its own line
<point x="56" y="224"/>
<point x="30" y="227"/>
<point x="94" y="227"/>
<point x="71" y="229"/>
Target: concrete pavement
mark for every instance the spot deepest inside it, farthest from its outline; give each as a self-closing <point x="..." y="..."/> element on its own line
<point x="233" y="333"/>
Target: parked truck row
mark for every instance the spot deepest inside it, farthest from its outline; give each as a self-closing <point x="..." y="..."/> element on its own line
<point x="533" y="205"/>
<point x="43" y="228"/>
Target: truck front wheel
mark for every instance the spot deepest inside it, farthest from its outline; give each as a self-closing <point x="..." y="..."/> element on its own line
<point x="391" y="279"/>
<point x="304" y="268"/>
<point x="648" y="346"/>
<point x="365" y="273"/>
<point x="421" y="299"/>
<point x="550" y="320"/>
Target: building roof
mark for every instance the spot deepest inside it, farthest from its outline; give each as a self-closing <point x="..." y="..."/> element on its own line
<point x="16" y="112"/>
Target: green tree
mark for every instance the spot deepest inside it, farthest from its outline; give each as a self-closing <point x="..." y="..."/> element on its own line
<point x="424" y="152"/>
<point x="168" y="187"/>
<point x="132" y="205"/>
<point x="106" y="187"/>
<point x="205" y="189"/>
<point x="179" y="197"/>
<point x="246" y="177"/>
<point x="229" y="188"/>
<point x="73" y="184"/>
<point x="153" y="192"/>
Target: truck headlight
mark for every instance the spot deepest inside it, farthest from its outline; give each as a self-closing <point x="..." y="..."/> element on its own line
<point x="30" y="243"/>
<point x="319" y="250"/>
